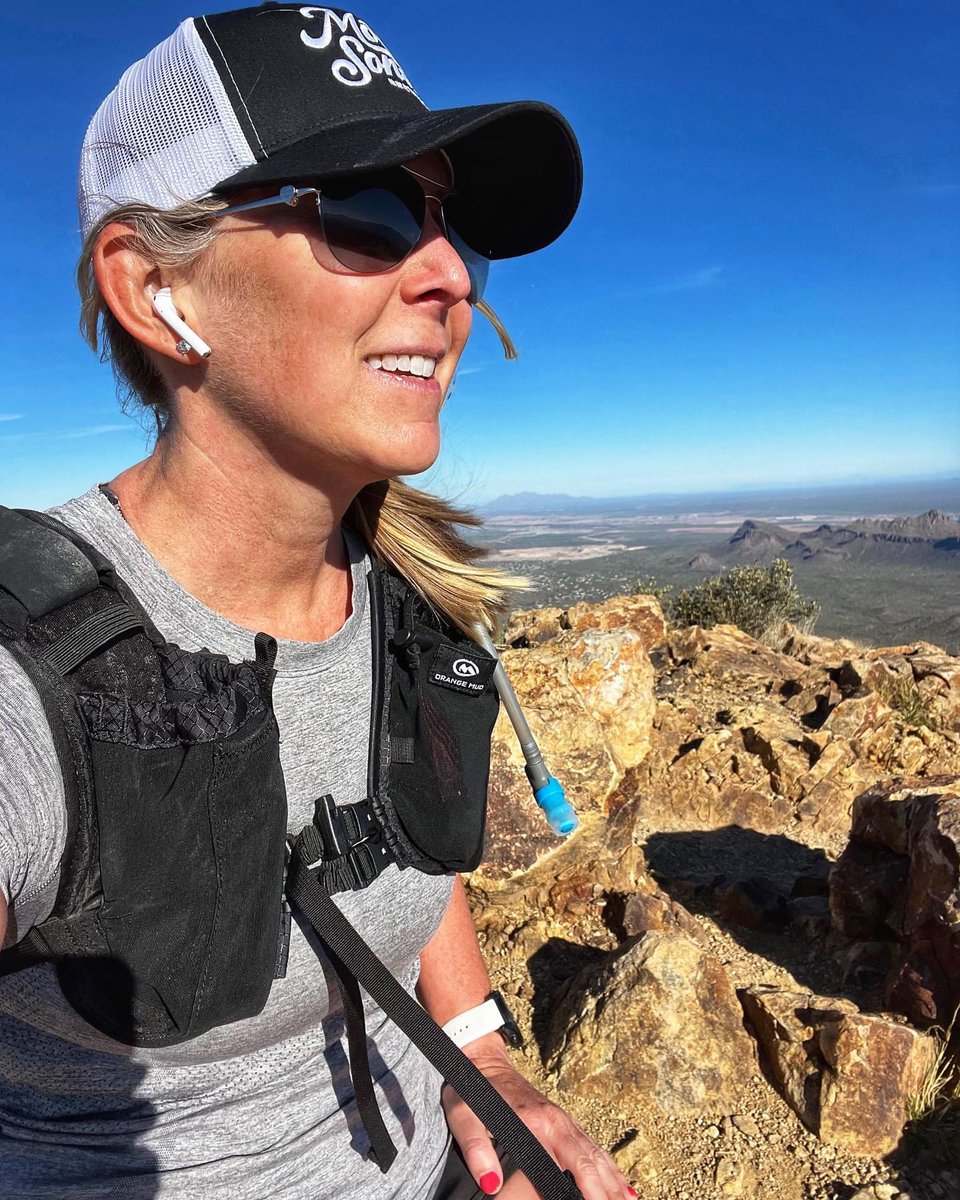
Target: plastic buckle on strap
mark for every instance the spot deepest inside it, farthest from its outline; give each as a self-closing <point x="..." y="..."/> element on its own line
<point x="329" y="825"/>
<point x="344" y="844"/>
<point x="368" y="860"/>
<point x="362" y="866"/>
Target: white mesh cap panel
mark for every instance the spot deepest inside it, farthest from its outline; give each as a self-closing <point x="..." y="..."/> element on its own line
<point x="165" y="134"/>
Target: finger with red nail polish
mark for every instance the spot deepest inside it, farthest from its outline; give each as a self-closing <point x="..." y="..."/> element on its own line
<point x="490" y="1183"/>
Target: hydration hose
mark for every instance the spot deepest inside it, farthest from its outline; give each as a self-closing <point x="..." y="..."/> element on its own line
<point x="547" y="792"/>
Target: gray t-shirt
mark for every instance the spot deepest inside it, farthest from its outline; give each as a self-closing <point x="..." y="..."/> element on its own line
<point x="259" y="1108"/>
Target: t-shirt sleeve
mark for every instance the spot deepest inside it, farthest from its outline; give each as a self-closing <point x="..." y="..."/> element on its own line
<point x="32" y="803"/>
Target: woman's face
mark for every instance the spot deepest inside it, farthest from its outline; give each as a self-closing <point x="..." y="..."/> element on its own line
<point x="296" y="341"/>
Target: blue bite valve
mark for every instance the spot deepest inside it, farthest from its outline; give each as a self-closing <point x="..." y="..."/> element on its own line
<point x="546" y="790"/>
<point x="553" y="800"/>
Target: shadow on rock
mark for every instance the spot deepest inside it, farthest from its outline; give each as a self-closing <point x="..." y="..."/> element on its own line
<point x="554" y="964"/>
<point x="770" y="893"/>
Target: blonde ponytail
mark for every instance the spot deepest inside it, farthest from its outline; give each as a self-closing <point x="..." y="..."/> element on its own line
<point x="416" y="534"/>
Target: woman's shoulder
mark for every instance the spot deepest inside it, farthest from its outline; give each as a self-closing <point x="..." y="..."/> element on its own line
<point x="32" y="806"/>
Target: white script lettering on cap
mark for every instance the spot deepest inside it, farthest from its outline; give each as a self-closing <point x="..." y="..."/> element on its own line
<point x="364" y="55"/>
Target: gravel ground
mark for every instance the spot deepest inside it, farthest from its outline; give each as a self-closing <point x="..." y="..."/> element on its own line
<point x="760" y="1151"/>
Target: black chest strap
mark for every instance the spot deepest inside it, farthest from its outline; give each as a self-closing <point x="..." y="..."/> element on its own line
<point x="353" y="960"/>
<point x="345" y="844"/>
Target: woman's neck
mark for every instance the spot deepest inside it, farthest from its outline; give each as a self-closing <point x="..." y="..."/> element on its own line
<point x="261" y="547"/>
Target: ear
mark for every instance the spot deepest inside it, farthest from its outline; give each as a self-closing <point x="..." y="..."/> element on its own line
<point x="128" y="282"/>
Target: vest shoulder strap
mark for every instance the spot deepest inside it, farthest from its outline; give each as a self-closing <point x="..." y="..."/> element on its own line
<point x="51" y="620"/>
<point x="41" y="567"/>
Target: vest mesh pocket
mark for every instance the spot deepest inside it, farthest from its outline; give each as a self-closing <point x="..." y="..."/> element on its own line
<point x="192" y="861"/>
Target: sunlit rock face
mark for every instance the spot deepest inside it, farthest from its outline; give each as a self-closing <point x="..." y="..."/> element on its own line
<point x="801" y="799"/>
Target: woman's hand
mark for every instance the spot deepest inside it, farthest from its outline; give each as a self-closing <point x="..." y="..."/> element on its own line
<point x="597" y="1175"/>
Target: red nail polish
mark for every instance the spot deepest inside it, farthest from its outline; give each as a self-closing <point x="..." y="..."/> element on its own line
<point x="490" y="1182"/>
<point x="632" y="1191"/>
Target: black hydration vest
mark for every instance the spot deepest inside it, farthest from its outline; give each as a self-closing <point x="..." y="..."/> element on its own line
<point x="173" y="912"/>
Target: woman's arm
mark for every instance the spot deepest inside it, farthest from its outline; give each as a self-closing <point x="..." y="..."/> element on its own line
<point x="453" y="978"/>
<point x="453" y="975"/>
<point x="33" y="816"/>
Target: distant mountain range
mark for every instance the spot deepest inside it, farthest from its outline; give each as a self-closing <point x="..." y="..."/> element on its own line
<point x="933" y="538"/>
<point x="855" y="499"/>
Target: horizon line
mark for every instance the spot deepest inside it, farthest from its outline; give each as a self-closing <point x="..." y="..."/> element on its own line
<point x="826" y="485"/>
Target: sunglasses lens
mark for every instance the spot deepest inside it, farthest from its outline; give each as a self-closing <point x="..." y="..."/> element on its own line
<point x="478" y="267"/>
<point x="371" y="228"/>
<point x="459" y="217"/>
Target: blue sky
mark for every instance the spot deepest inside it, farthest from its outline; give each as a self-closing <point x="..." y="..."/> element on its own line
<point x="762" y="284"/>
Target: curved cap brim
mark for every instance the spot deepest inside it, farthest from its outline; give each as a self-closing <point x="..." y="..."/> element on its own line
<point x="517" y="167"/>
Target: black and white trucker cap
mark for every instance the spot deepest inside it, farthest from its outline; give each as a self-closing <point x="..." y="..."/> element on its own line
<point x="287" y="93"/>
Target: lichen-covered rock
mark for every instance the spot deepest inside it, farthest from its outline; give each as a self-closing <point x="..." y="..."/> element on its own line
<point x="588" y="697"/>
<point x="872" y="1068"/>
<point x="655" y="912"/>
<point x="846" y="1074"/>
<point x="730" y="656"/>
<point x="659" y="1022"/>
<point x="851" y="717"/>
<point x="781" y="1022"/>
<point x="641" y="613"/>
<point x="533" y="626"/>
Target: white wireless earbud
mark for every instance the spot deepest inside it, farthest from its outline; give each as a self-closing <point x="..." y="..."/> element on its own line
<point x="165" y="310"/>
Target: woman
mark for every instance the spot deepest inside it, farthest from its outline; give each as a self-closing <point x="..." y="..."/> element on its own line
<point x="295" y="341"/>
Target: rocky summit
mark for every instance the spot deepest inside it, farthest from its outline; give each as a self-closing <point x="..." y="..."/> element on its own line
<point x="740" y="973"/>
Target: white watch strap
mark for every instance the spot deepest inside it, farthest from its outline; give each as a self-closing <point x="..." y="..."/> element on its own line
<point x="474" y="1023"/>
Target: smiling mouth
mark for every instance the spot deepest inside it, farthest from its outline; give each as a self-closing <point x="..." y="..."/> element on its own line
<point x="418" y="365"/>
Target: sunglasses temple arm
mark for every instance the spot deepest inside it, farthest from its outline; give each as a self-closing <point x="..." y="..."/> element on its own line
<point x="509" y="349"/>
<point x="287" y="195"/>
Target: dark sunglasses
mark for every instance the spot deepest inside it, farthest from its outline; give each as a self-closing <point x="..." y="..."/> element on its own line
<point x="373" y="222"/>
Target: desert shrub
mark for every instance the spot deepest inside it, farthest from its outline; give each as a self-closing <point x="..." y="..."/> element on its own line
<point x="647" y="585"/>
<point x="906" y="699"/>
<point x="760" y="600"/>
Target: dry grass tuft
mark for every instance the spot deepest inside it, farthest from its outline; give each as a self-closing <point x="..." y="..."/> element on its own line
<point x="906" y="699"/>
<point x="933" y="1112"/>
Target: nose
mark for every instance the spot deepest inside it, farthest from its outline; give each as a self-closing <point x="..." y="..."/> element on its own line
<point x="434" y="266"/>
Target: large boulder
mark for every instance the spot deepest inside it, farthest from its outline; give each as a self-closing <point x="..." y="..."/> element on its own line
<point x="658" y="1022"/>
<point x="641" y="613"/>
<point x="847" y="1075"/>
<point x="533" y="626"/>
<point x="588" y="696"/>
<point x="899" y="878"/>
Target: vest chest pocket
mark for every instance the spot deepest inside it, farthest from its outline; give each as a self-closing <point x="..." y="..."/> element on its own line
<point x="191" y="825"/>
<point x="443" y="712"/>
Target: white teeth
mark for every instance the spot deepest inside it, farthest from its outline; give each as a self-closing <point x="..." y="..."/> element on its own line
<point x="410" y="364"/>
